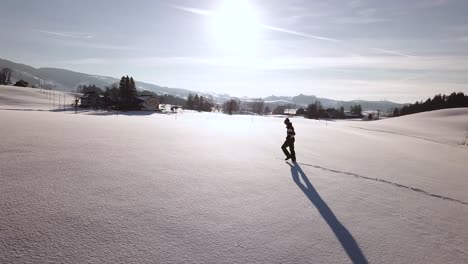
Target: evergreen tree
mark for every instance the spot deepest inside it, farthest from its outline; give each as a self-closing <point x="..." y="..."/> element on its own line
<point x="89" y="88"/>
<point x="342" y="114"/>
<point x="133" y="89"/>
<point x="258" y="106"/>
<point x="231" y="106"/>
<point x="202" y="106"/>
<point x="123" y="92"/>
<point x="313" y="110"/>
<point x="128" y="93"/>
<point x="113" y="94"/>
<point x="196" y="102"/>
<point x="206" y="104"/>
<point x="279" y="110"/>
<point x="106" y="97"/>
<point x="356" y="109"/>
<point x="300" y="112"/>
<point x="190" y="101"/>
<point x="438" y="102"/>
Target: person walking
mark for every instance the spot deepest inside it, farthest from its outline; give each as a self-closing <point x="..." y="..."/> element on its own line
<point x="289" y="141"/>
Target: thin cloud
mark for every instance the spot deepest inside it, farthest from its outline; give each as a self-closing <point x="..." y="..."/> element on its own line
<point x="365" y="62"/>
<point x="432" y="3"/>
<point x="363" y="16"/>
<point x="102" y="46"/>
<point x="445" y="63"/>
<point x="87" y="61"/>
<point x="204" y="12"/>
<point x="193" y="10"/>
<point x="361" y="20"/>
<point x="297" y="33"/>
<point x="66" y="34"/>
<point x="393" y="52"/>
<point x="74" y="39"/>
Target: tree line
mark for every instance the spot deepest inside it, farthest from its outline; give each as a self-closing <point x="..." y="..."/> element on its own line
<point x="316" y="111"/>
<point x="89" y="88"/>
<point x="124" y="95"/>
<point x="199" y="103"/>
<point x="439" y="101"/>
<point x="256" y="106"/>
<point x="231" y="106"/>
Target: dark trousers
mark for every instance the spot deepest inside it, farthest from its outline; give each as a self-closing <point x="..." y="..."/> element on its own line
<point x="289" y="143"/>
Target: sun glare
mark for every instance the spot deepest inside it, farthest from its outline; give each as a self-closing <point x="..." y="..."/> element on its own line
<point x="236" y="27"/>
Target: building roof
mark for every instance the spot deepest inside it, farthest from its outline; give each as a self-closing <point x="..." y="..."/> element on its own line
<point x="88" y="94"/>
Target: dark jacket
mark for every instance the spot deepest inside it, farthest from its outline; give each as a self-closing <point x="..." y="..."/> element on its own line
<point x="290" y="131"/>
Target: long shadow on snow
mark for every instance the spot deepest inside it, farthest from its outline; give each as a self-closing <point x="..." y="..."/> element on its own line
<point x="347" y="240"/>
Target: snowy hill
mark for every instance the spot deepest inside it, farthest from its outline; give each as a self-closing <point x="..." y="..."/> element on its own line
<point x="213" y="188"/>
<point x="55" y="78"/>
<point x="448" y="126"/>
<point x="66" y="80"/>
<point x="22" y="98"/>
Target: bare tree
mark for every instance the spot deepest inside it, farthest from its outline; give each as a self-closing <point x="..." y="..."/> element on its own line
<point x="5" y="75"/>
<point x="231" y="106"/>
<point x="258" y="106"/>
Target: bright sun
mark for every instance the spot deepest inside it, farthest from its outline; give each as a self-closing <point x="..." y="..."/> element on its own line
<point x="236" y="27"/>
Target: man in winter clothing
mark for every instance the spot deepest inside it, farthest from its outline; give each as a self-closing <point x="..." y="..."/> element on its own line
<point x="289" y="141"/>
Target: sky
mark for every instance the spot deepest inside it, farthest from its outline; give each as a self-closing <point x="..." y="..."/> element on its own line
<point x="341" y="49"/>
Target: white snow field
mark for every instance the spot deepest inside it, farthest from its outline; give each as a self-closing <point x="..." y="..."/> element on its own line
<point x="212" y="188"/>
<point x="27" y="99"/>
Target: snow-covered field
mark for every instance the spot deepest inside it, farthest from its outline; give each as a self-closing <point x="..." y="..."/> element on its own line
<point x="27" y="99"/>
<point x="212" y="188"/>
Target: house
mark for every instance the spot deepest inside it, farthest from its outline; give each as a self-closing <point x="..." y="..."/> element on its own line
<point x="92" y="100"/>
<point x="332" y="113"/>
<point x="21" y="83"/>
<point x="290" y="111"/>
<point x="148" y="103"/>
<point x="349" y="115"/>
<point x="169" y="107"/>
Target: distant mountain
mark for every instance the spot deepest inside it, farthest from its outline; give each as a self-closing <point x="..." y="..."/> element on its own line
<point x="66" y="80"/>
<point x="385" y="106"/>
<point x="57" y="78"/>
<point x="304" y="100"/>
<point x="69" y="80"/>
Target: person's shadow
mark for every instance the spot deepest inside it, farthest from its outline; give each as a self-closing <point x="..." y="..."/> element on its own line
<point x="347" y="241"/>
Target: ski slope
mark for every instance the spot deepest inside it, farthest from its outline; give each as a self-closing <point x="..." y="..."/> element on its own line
<point x="212" y="188"/>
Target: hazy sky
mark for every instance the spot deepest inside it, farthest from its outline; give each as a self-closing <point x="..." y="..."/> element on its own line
<point x="343" y="49"/>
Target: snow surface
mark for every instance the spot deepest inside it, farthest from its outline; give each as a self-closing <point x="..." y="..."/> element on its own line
<point x="212" y="188"/>
<point x="26" y="99"/>
<point x="448" y="126"/>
